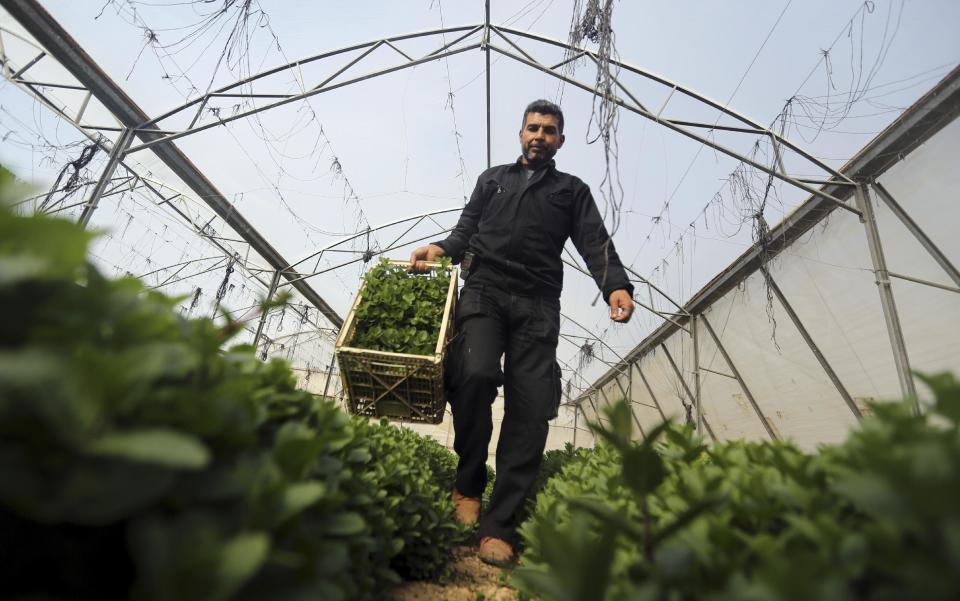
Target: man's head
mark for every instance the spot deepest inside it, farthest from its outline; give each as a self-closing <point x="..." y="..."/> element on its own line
<point x="541" y="134"/>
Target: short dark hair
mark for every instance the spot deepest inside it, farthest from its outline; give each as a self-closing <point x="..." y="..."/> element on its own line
<point x="544" y="107"/>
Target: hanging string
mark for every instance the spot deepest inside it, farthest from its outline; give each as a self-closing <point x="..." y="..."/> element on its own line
<point x="222" y="290"/>
<point x="195" y="301"/>
<point x="73" y="181"/>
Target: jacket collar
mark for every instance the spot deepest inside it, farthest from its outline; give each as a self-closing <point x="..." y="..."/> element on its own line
<point x="551" y="164"/>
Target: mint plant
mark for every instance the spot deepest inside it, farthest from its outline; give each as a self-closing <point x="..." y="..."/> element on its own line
<point x="401" y="312"/>
<point x="142" y="459"/>
<point x="667" y="518"/>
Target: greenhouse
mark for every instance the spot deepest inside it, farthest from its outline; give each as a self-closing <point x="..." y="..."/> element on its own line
<point x="222" y="376"/>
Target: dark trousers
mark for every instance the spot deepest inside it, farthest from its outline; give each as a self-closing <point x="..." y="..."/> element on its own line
<point x="493" y="323"/>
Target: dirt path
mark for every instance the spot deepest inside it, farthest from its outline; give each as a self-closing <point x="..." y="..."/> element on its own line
<point x="471" y="580"/>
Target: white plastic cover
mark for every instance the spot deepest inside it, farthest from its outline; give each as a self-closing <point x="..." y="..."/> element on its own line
<point x="828" y="279"/>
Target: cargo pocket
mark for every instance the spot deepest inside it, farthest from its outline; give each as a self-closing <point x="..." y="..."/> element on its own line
<point x="548" y="328"/>
<point x="557" y="390"/>
<point x="472" y="303"/>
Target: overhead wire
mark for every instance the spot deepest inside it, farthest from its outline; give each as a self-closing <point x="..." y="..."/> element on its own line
<point x="665" y="207"/>
<point x="462" y="173"/>
<point x="860" y="92"/>
<point x="147" y="257"/>
<point x="236" y="54"/>
<point x="863" y="9"/>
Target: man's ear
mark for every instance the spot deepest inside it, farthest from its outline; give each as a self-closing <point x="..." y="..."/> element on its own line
<point x="563" y="139"/>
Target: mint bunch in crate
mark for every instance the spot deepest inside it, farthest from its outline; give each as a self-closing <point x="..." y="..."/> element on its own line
<point x="401" y="312"/>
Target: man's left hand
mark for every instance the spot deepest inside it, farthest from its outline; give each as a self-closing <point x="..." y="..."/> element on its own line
<point x="621" y="305"/>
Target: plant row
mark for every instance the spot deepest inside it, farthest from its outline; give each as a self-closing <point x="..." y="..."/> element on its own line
<point x="876" y="517"/>
<point x="141" y="460"/>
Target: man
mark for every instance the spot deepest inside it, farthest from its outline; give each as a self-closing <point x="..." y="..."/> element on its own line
<point x="509" y="238"/>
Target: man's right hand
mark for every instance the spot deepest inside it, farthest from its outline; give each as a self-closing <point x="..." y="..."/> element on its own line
<point x="423" y="255"/>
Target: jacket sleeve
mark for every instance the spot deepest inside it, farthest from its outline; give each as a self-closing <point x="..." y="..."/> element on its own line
<point x="594" y="244"/>
<point x="455" y="245"/>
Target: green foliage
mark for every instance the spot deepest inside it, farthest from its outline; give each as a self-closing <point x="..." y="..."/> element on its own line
<point x="488" y="489"/>
<point x="553" y="463"/>
<point x="593" y="474"/>
<point x="141" y="460"/>
<point x="11" y="190"/>
<point x="417" y="474"/>
<point x="873" y="518"/>
<point x="442" y="461"/>
<point x="401" y="312"/>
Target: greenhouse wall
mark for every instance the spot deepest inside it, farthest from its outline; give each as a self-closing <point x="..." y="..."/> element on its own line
<point x="827" y="277"/>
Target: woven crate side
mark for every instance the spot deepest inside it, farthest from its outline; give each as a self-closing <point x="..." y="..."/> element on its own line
<point x="405" y="387"/>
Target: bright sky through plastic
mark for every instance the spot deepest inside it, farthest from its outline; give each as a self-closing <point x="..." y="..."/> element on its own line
<point x="415" y="140"/>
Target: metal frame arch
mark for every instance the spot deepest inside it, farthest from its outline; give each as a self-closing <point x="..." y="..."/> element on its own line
<point x="760" y="129"/>
<point x="158" y="136"/>
<point x="631" y="103"/>
<point x="61" y="47"/>
<point x="326" y="85"/>
<point x="681" y="126"/>
<point x="373" y="45"/>
<point x="295" y="276"/>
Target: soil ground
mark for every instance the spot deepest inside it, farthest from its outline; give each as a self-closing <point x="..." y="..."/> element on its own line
<point x="470" y="580"/>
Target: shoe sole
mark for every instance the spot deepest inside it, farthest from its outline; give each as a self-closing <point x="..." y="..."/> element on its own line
<point x="509" y="563"/>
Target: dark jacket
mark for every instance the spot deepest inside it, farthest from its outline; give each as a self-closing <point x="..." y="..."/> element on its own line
<point x="517" y="227"/>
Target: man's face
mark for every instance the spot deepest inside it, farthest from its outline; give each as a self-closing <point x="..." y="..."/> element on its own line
<point x="540" y="138"/>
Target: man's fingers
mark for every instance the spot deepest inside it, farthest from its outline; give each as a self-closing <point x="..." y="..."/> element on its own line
<point x="416" y="264"/>
<point x="419" y="266"/>
<point x="621" y="312"/>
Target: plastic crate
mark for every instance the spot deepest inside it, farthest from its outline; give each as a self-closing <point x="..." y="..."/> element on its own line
<point x="397" y="386"/>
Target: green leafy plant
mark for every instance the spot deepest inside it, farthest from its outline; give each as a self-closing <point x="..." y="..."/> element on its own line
<point x="873" y="518"/>
<point x="401" y="312"/>
<point x="142" y="460"/>
<point x="419" y="505"/>
<point x="488" y="489"/>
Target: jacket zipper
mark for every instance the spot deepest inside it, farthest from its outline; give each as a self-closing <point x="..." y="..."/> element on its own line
<point x="535" y="178"/>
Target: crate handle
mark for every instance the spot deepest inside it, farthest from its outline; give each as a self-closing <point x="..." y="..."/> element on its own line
<point x="431" y="264"/>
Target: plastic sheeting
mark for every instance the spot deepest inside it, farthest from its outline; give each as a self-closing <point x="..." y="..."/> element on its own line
<point x="827" y="277"/>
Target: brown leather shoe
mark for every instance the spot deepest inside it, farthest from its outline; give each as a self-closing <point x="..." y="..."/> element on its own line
<point x="496" y="552"/>
<point x="466" y="509"/>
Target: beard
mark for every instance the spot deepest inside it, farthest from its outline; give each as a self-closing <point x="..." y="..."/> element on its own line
<point x="536" y="156"/>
